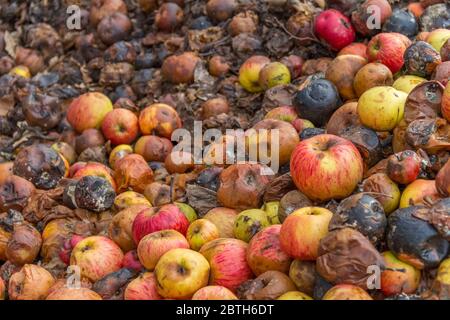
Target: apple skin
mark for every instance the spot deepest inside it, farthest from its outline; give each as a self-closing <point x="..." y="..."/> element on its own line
<point x="438" y="37"/>
<point x="214" y="293"/>
<point x="120" y="126"/>
<point x="249" y="73"/>
<point x="180" y="273"/>
<point x="201" y="231"/>
<point x="96" y="256"/>
<point x="72" y="294"/>
<point x="88" y="111"/>
<point x="346" y="292"/>
<point x="405" y="280"/>
<point x="142" y="288"/>
<point x="228" y="260"/>
<point x="301" y="232"/>
<point x="264" y="252"/>
<point x="160" y="119"/>
<point x="407" y="83"/>
<point x="224" y="219"/>
<point x="335" y="29"/>
<point x="95" y="169"/>
<point x="294" y="295"/>
<point x="130" y="198"/>
<point x="249" y="222"/>
<point x="388" y="48"/>
<point x="154" y="245"/>
<point x="284" y="113"/>
<point x="416" y="193"/>
<point x="326" y="167"/>
<point x="120" y="227"/>
<point x="288" y="138"/>
<point x="404" y="167"/>
<point x="356" y="48"/>
<point x="131" y="261"/>
<point x="274" y="74"/>
<point x="118" y="153"/>
<point x="153" y="148"/>
<point x="150" y="220"/>
<point x="2" y="289"/>
<point x="445" y="104"/>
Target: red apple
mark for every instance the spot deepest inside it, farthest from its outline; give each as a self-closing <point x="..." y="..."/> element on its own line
<point x="96" y="256"/>
<point x="131" y="261"/>
<point x="150" y="220"/>
<point x="69" y="293"/>
<point x="154" y="245"/>
<point x="143" y="287"/>
<point x="75" y="167"/>
<point x="264" y="252"/>
<point x="302" y="231"/>
<point x="120" y="126"/>
<point x="88" y="111"/>
<point x="69" y="244"/>
<point x="388" y="48"/>
<point x="356" y="48"/>
<point x="326" y="167"/>
<point x="335" y="29"/>
<point x="404" y="167"/>
<point x="214" y="293"/>
<point x="227" y="258"/>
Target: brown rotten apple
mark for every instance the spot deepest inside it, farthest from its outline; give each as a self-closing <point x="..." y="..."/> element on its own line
<point x="32" y="282"/>
<point x="242" y="186"/>
<point x="326" y="167"/>
<point x="132" y="172"/>
<point x="180" y="68"/>
<point x="302" y="231"/>
<point x="153" y="148"/>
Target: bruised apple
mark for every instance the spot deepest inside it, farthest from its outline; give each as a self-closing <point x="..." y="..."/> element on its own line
<point x="132" y="172"/>
<point x="419" y="192"/>
<point x="399" y="276"/>
<point x="32" y="282"/>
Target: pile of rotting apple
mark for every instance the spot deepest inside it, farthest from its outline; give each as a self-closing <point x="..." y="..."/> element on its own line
<point x="95" y="204"/>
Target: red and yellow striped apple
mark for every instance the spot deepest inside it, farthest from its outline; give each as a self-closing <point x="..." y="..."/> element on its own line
<point x="326" y="167"/>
